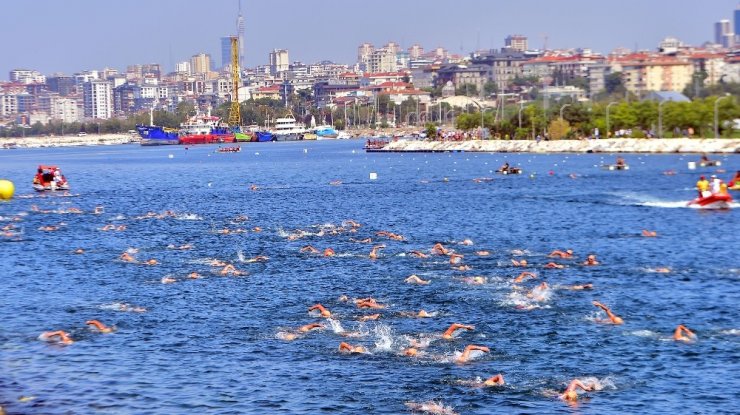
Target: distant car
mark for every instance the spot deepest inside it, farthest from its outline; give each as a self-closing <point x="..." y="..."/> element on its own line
<point x="81" y="134"/>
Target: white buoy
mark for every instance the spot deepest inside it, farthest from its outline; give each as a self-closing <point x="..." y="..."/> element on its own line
<point x="257" y="153"/>
<point x="305" y="150"/>
<point x="692" y="165"/>
<point x="373" y="176"/>
<point x="171" y="156"/>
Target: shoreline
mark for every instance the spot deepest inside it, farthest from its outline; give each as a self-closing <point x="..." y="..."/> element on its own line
<point x="614" y="145"/>
<point x="66" y="141"/>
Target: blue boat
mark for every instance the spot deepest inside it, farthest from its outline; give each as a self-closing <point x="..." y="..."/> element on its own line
<point x="325" y="131"/>
<point x="263" y="136"/>
<point x="154" y="135"/>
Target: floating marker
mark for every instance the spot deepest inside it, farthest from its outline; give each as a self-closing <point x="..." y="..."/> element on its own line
<point x="257" y="153"/>
<point x="692" y="165"/>
<point x="171" y="156"/>
<point x="7" y="188"/>
<point x="305" y="150"/>
<point x="373" y="176"/>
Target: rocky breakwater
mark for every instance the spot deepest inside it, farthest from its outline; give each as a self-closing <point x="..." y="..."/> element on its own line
<point x="67" y="141"/>
<point x="620" y="145"/>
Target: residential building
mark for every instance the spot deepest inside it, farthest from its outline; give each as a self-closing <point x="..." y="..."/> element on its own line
<point x="200" y="63"/>
<point x="27" y="76"/>
<point x="279" y="61"/>
<point x="183" y="67"/>
<point x="597" y="77"/>
<point x="460" y="75"/>
<point x="642" y="74"/>
<point x="712" y="64"/>
<point x="363" y="55"/>
<point x="415" y="52"/>
<point x="382" y="60"/>
<point x="568" y="91"/>
<point x="516" y="42"/>
<point x="504" y="66"/>
<point x="63" y="85"/>
<point x="392" y="47"/>
<point x="8" y="104"/>
<point x="98" y="99"/>
<point x="325" y="93"/>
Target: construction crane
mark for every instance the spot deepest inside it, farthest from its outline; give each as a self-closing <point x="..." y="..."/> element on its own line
<point x="235" y="118"/>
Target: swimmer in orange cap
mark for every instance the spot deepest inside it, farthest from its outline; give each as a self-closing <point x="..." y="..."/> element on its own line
<point x="100" y="326"/>
<point x="324" y="312"/>
<point x="465" y="356"/>
<point x="678" y="335"/>
<point x="374" y="252"/>
<point x="63" y="336"/>
<point x="497" y="380"/>
<point x="570" y="392"/>
<point x="613" y="319"/>
<point x="454" y="327"/>
<point x="649" y="234"/>
<point x="348" y="348"/>
<point x="328" y="252"/>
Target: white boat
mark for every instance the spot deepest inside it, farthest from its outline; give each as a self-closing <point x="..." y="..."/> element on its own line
<point x="287" y="129"/>
<point x="343" y="135"/>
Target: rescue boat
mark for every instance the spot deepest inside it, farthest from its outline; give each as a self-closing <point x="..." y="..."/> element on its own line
<point x="712" y="201"/>
<point x="49" y="178"/>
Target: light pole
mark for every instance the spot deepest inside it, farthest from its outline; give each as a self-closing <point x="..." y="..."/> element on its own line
<point x="716" y="115"/>
<point x="561" y="110"/>
<point x="521" y="107"/>
<point x="607" y="118"/>
<point x="447" y="114"/>
<point x="660" y="119"/>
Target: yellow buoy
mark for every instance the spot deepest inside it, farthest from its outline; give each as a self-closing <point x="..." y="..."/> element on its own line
<point x="6" y="189"/>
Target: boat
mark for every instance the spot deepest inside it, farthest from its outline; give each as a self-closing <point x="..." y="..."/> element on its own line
<point x="287" y="129"/>
<point x="615" y="166"/>
<point x="325" y="132"/>
<point x="235" y="149"/>
<point x="736" y="186"/>
<point x="343" y="135"/>
<point x="49" y="178"/>
<point x="205" y="129"/>
<point x="264" y="136"/>
<point x="244" y="137"/>
<point x="154" y="135"/>
<point x="510" y="170"/>
<point x="373" y="144"/>
<point x="712" y="201"/>
<point x="310" y="136"/>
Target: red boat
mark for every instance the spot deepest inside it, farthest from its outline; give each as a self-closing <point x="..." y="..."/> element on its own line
<point x="205" y="129"/>
<point x="712" y="201"/>
<point x="207" y="138"/>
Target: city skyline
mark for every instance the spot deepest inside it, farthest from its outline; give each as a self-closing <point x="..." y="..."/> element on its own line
<point x="170" y="31"/>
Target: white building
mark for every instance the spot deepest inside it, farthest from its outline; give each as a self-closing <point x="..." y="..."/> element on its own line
<point x="183" y="67"/>
<point x="8" y="104"/>
<point x="279" y="61"/>
<point x="27" y="76"/>
<point x="98" y="99"/>
<point x="382" y="60"/>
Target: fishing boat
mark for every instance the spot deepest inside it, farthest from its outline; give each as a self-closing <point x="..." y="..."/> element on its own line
<point x="375" y="144"/>
<point x="712" y="201"/>
<point x="49" y="178"/>
<point x="264" y="136"/>
<point x="235" y="149"/>
<point x="205" y="129"/>
<point x="154" y="135"/>
<point x="615" y="166"/>
<point x="287" y="129"/>
<point x="325" y="132"/>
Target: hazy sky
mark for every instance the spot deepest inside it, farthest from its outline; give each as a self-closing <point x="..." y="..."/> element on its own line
<point x="73" y="35"/>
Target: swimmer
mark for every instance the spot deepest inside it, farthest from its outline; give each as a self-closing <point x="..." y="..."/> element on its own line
<point x="254" y="187"/>
<point x="49" y="228"/>
<point x="580" y="287"/>
<point x="663" y="270"/>
<point x="465" y="356"/>
<point x="369" y="317"/>
<point x="324" y="312"/>
<point x="522" y="263"/>
<point x="374" y="252"/>
<point x="524" y="275"/>
<point x="478" y="280"/>
<point x="418" y="254"/>
<point x="335" y="182"/>
<point x="168" y="280"/>
<point x="126" y="257"/>
<point x="348" y="348"/>
<point x="258" y="258"/>
<point x="350" y="222"/>
<point x="230" y="270"/>
<point x="121" y="228"/>
<point x="552" y="265"/>
<point x="454" y="327"/>
<point x="463" y="268"/>
<point x="130" y="308"/>
<point x="98" y="210"/>
<point x="455" y="259"/>
<point x="79" y="251"/>
<point x="613" y="319"/>
<point x="560" y="254"/>
<point x="49" y="336"/>
<point x="217" y="263"/>
<point x="591" y="260"/>
<point x="430" y="407"/>
<point x="482" y="253"/>
<point x="570" y="392"/>
<point x="649" y="234"/>
<point x="466" y="242"/>
<point x="439" y="249"/>
<point x="414" y="279"/>
<point x="539" y="293"/>
<point x="193" y="275"/>
<point x="309" y="249"/>
<point x="256" y="229"/>
<point x="420" y="314"/>
<point x="152" y="262"/>
<point x="328" y="252"/>
<point x="368" y="303"/>
<point x="410" y="352"/>
<point x="100" y="326"/>
<point x="497" y="380"/>
<point x="678" y="335"/>
<point x="108" y="227"/>
<point x="362" y="241"/>
<point x="308" y="327"/>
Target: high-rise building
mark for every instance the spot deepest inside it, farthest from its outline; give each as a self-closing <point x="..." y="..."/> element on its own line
<point x="225" y="51"/>
<point x="240" y="35"/>
<point x="200" y="63"/>
<point x="382" y="60"/>
<point x="415" y="52"/>
<point x="64" y="85"/>
<point x="27" y="76"/>
<point x="363" y="55"/>
<point x="516" y="42"/>
<point x="97" y="97"/>
<point x="737" y="22"/>
<point x="279" y="61"/>
<point x="183" y="67"/>
<point x="723" y="34"/>
<point x="392" y="47"/>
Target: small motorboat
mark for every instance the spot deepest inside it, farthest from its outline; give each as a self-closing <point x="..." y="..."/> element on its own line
<point x="49" y="178"/>
<point x="712" y="201"/>
<point x="229" y="149"/>
<point x="736" y="186"/>
<point x="510" y="170"/>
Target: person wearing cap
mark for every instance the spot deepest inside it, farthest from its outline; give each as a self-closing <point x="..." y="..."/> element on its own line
<point x="702" y="186"/>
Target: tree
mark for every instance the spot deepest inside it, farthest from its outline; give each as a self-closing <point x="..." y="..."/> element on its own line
<point x="431" y="130"/>
<point x="559" y="129"/>
<point x="614" y="84"/>
<point x="467" y="90"/>
<point x="490" y="88"/>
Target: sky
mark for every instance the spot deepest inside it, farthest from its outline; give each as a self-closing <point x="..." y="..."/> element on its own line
<point x="73" y="35"/>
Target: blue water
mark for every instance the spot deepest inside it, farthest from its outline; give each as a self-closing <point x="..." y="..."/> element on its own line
<point x="215" y="344"/>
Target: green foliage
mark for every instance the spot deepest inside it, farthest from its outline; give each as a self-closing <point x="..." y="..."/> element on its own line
<point x="559" y="129"/>
<point x="613" y="83"/>
<point x="490" y="88"/>
<point x="431" y="130"/>
<point x="467" y="90"/>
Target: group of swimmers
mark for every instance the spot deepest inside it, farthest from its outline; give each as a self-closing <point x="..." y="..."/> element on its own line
<point x="415" y="348"/>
